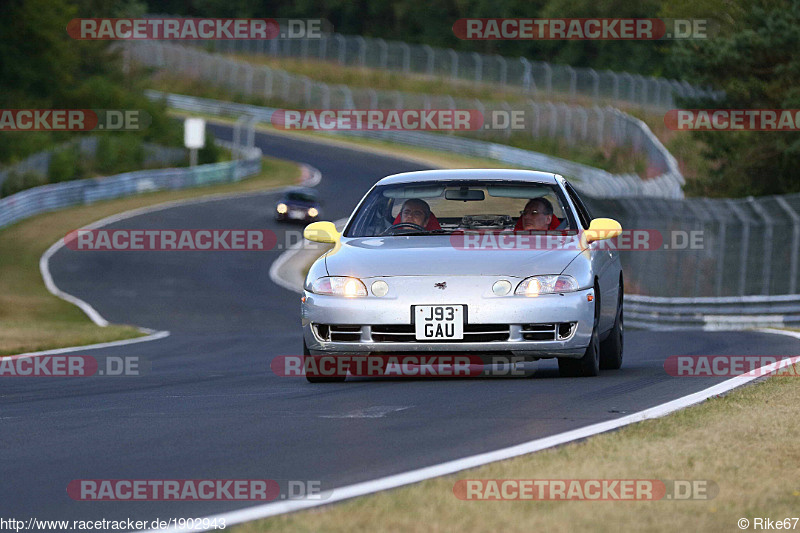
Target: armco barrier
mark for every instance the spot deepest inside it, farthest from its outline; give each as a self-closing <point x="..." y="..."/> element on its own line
<point x="741" y="253"/>
<point x="649" y="312"/>
<point x="590" y="180"/>
<point x="54" y="196"/>
<point x="598" y="126"/>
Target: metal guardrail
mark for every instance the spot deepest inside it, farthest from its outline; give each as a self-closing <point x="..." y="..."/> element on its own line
<point x="539" y="79"/>
<point x="749" y="246"/>
<point x="54" y="196"/>
<point x="599" y="126"/>
<point x="87" y="147"/>
<point x="649" y="312"/>
<point x="593" y="181"/>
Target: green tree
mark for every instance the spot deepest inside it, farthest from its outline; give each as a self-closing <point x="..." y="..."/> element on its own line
<point x="755" y="62"/>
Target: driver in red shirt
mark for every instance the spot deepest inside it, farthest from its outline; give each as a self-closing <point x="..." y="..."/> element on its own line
<point x="537" y="215"/>
<point x="415" y="211"/>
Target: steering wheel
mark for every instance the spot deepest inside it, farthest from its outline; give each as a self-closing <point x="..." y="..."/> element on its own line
<point x="403" y="225"/>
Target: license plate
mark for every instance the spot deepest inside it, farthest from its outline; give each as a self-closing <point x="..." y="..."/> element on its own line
<point x="439" y="322"/>
<point x="296" y="214"/>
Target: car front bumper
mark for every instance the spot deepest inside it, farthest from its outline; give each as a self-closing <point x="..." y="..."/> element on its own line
<point x="359" y="320"/>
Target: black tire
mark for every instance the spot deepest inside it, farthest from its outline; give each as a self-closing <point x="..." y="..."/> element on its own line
<point x="611" y="348"/>
<point x="320" y="379"/>
<point x="589" y="364"/>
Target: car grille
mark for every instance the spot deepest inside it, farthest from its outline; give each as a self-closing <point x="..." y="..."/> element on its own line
<point x="472" y="332"/>
<point x="547" y="332"/>
<point x="337" y="333"/>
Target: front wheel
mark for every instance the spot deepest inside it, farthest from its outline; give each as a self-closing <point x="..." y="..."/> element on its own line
<point x="589" y="364"/>
<point x="611" y="348"/>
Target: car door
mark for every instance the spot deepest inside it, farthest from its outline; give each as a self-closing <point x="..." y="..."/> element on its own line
<point x="604" y="265"/>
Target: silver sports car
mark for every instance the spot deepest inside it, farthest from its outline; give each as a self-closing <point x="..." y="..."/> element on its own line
<point x="476" y="262"/>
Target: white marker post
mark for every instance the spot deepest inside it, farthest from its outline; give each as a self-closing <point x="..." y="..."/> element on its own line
<point x="194" y="137"/>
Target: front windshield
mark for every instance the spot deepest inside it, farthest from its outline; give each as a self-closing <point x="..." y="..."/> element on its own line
<point x="443" y="207"/>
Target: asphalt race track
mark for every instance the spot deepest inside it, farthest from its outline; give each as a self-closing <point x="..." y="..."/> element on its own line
<point x="210" y="407"/>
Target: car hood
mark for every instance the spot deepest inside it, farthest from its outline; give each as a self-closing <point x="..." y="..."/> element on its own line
<point x="439" y="255"/>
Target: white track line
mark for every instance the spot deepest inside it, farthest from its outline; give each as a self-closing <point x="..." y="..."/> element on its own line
<point x="152" y="337"/>
<point x="450" y="467"/>
<point x="91" y="312"/>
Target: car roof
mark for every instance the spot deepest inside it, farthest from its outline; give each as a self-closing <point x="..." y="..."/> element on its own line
<point x="476" y="174"/>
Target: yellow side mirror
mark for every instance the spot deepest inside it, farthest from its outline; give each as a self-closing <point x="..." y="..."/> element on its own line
<point x="603" y="228"/>
<point x="321" y="232"/>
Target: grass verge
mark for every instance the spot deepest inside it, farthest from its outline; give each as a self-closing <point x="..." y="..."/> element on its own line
<point x="31" y="318"/>
<point x="745" y="442"/>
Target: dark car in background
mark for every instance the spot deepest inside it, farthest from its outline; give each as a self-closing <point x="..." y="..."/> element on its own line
<point x="299" y="204"/>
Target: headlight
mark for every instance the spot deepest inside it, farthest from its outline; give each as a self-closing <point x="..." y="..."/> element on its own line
<point x="552" y="284"/>
<point x="339" y="286"/>
<point x="282" y="208"/>
<point x="312" y="212"/>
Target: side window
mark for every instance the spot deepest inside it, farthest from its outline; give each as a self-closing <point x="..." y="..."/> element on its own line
<point x="583" y="213"/>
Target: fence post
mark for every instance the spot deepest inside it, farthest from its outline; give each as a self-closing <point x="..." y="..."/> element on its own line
<point x="306" y="91"/>
<point x="601" y="118"/>
<point x="267" y="82"/>
<point x="478" y="61"/>
<point x="553" y="115"/>
<point x="453" y="63"/>
<point x="286" y="85"/>
<point x="766" y="272"/>
<point x="348" y="96"/>
<point x="503" y="69"/>
<point x="745" y="244"/>
<point x="548" y="78"/>
<point x="595" y="84"/>
<point x="567" y="123"/>
<point x="429" y="62"/>
<point x="384" y="57"/>
<point x="795" y="255"/>
<point x="573" y="80"/>
<point x="584" y="116"/>
<point x="362" y="50"/>
<point x="537" y="115"/>
<point x="527" y="75"/>
<point x="342" y="47"/>
<point x="723" y="222"/>
<point x="508" y="110"/>
<point x="248" y="79"/>
<point x="326" y="95"/>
